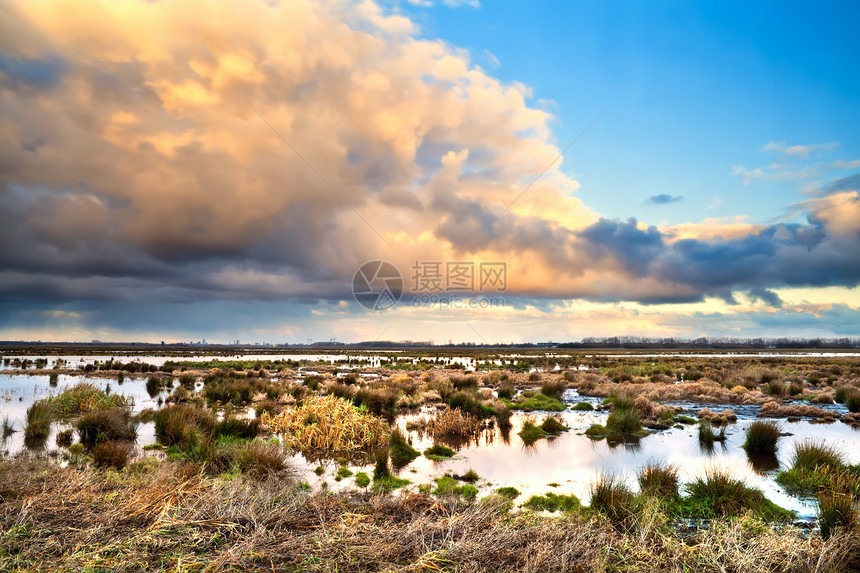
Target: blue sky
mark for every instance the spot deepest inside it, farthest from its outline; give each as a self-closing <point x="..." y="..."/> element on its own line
<point x="690" y="90"/>
<point x="183" y="169"/>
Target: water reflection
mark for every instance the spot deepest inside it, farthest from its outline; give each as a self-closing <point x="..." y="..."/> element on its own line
<point x="763" y="463"/>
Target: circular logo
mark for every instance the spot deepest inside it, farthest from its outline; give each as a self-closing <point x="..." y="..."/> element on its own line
<point x="377" y="285"/>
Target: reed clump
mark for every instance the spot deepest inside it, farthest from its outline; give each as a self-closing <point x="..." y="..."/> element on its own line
<point x="451" y="423"/>
<point x="400" y="450"/>
<point x="554" y="388"/>
<point x="612" y="498"/>
<point x="112" y="453"/>
<point x="719" y="494"/>
<point x="438" y="452"/>
<point x="182" y="424"/>
<point x="838" y="505"/>
<point x="762" y="437"/>
<point x="708" y="436"/>
<point x="328" y="423"/>
<point x="530" y="433"/>
<point x="105" y="424"/>
<point x="659" y="480"/>
<point x="83" y="398"/>
<point x="39" y="418"/>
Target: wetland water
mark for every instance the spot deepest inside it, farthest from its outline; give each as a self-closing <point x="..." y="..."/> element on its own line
<point x="570" y="461"/>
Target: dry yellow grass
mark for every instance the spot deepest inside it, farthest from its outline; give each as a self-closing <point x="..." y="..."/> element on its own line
<point x="450" y="422"/>
<point x="328" y="423"/>
<point x="171" y="518"/>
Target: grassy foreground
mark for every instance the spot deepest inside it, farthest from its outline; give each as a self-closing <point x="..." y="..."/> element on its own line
<point x="170" y="516"/>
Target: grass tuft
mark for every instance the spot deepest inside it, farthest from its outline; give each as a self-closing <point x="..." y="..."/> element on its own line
<point x="531" y="433"/>
<point x="438" y="452"/>
<point x="551" y="502"/>
<point x="553" y="426"/>
<point x="39" y="417"/>
<point x="106" y="424"/>
<point x="400" y="450"/>
<point x="707" y="435"/>
<point x="612" y="498"/>
<point x="762" y="437"/>
<point x="508" y="492"/>
<point x="659" y="480"/>
<point x="718" y="494"/>
<point x="112" y="454"/>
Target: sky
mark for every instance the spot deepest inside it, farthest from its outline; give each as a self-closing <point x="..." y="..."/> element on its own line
<point x="178" y="171"/>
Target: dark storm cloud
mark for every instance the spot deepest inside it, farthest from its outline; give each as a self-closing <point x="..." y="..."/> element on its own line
<point x="766" y="296"/>
<point x="624" y="241"/>
<point x="849" y="183"/>
<point x="39" y="74"/>
<point x="134" y="172"/>
<point x="663" y="199"/>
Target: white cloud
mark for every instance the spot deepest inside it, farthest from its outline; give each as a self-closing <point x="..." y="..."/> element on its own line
<point x="799" y="151"/>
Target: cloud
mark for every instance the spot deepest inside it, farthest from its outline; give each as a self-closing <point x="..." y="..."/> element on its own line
<point x="840" y="165"/>
<point x="135" y="170"/>
<point x="449" y="3"/>
<point x="799" y="151"/>
<point x="664" y="199"/>
<point x="849" y="183"/>
<point x="765" y="296"/>
<point x="747" y="175"/>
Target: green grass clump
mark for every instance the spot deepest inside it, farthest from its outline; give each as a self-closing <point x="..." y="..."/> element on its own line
<point x="342" y="473"/>
<point x="238" y="428"/>
<point x="553" y="388"/>
<point x="400" y="450"/>
<point x="813" y="465"/>
<point x="182" y="425"/>
<point x="85" y="397"/>
<point x="470" y="476"/>
<point x="624" y="421"/>
<point x="319" y="470"/>
<point x="762" y="437"/>
<point x="39" y="418"/>
<point x="686" y="420"/>
<point x="553" y="426"/>
<point x="260" y="459"/>
<point x="707" y="435"/>
<point x="106" y="424"/>
<point x="469" y="492"/>
<point x="551" y="502"/>
<point x="811" y="454"/>
<point x="836" y="505"/>
<point x="388" y="484"/>
<point x="448" y="485"/>
<point x="596" y="431"/>
<point x="718" y="494"/>
<point x="65" y="438"/>
<point x="583" y="407"/>
<point x="659" y="480"/>
<point x="362" y="479"/>
<point x="610" y="497"/>
<point x="506" y="390"/>
<point x="531" y="433"/>
<point x="8" y="427"/>
<point x="236" y="391"/>
<point x="508" y="492"/>
<point x="538" y="402"/>
<point x="439" y="452"/>
<point x="852" y="400"/>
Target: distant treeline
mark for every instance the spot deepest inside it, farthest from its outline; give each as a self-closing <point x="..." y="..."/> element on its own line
<point x="638" y="342"/>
